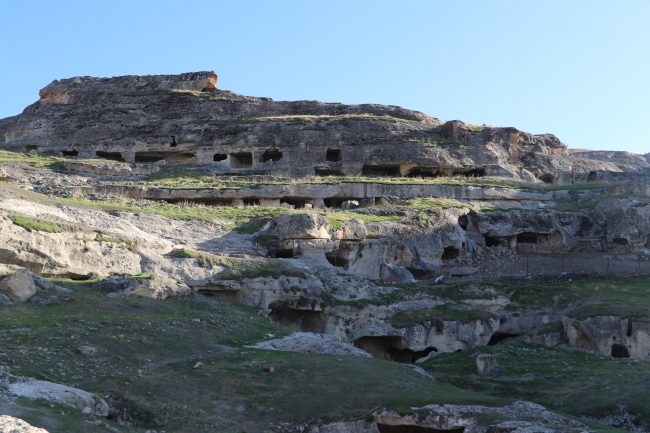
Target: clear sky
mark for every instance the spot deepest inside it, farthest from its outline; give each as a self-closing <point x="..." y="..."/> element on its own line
<point x="579" y="69"/>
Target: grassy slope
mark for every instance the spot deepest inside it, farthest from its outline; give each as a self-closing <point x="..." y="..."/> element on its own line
<point x="563" y="380"/>
<point x="229" y="394"/>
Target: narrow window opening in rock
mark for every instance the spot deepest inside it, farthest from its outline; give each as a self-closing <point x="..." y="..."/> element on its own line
<point x="271" y="155"/>
<point x="242" y="160"/>
<point x="547" y="178"/>
<point x="70" y="152"/>
<point x="333" y="155"/>
<point x="114" y="156"/>
<point x="299" y="320"/>
<point x="526" y="238"/>
<point x="500" y="336"/>
<point x="450" y="253"/>
<point x="385" y="428"/>
<point x="463" y="221"/>
<point x="286" y="253"/>
<point x="31" y="147"/>
<point x="381" y="170"/>
<point x="630" y="328"/>
<point x="328" y="172"/>
<point x="173" y="144"/>
<point x="423" y="172"/>
<point x="620" y="241"/>
<point x="219" y="157"/>
<point x="592" y="177"/>
<point x="338" y="201"/>
<point x="620" y="351"/>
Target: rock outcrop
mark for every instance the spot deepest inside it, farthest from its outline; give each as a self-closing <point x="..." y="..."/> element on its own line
<point x="18" y="287"/>
<point x="9" y="424"/>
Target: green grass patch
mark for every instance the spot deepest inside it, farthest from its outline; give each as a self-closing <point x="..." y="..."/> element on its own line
<point x="37" y="224"/>
<point x="432" y="204"/>
<point x="335" y="223"/>
<point x="128" y="243"/>
<point x="442" y="312"/>
<point x="261" y="268"/>
<point x="204" y="260"/>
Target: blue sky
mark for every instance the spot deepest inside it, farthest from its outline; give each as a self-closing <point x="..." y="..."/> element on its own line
<point x="577" y="69"/>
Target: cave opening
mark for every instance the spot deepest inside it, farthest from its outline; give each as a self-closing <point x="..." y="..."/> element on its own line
<point x="113" y="156"/>
<point x="463" y="220"/>
<point x="31" y="147"/>
<point x="272" y="155"/>
<point x="327" y="172"/>
<point x="491" y="241"/>
<point x="450" y="253"/>
<point x="337" y="201"/>
<point x="547" y="178"/>
<point x="423" y="172"/>
<point x="173" y="143"/>
<point x="297" y="203"/>
<point x="299" y="320"/>
<point x="391" y="348"/>
<point x="333" y="155"/>
<point x="166" y="156"/>
<point x="335" y="260"/>
<point x="500" y="336"/>
<point x="219" y="157"/>
<point x="70" y="152"/>
<point x="381" y="170"/>
<point x="386" y="428"/>
<point x="283" y="253"/>
<point x="630" y="328"/>
<point x="527" y="238"/>
<point x="620" y="351"/>
<point x="477" y="172"/>
<point x="251" y="201"/>
<point x="592" y="177"/>
<point x="620" y="241"/>
<point x="242" y="159"/>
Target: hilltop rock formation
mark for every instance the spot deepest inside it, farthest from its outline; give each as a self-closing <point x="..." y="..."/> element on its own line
<point x="185" y="118"/>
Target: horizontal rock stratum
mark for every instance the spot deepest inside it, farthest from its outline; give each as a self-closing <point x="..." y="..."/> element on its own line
<point x="185" y="118"/>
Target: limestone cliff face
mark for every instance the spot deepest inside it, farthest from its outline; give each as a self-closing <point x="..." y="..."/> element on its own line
<point x="185" y="118"/>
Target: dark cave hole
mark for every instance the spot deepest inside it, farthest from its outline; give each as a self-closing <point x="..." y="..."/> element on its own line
<point x="113" y="156"/>
<point x="337" y="261"/>
<point x="500" y="336"/>
<point x="328" y="172"/>
<point x="173" y="144"/>
<point x="477" y="172"/>
<point x="285" y="253"/>
<point x="70" y="152"/>
<point x="242" y="159"/>
<point x="272" y="155"/>
<point x="620" y="351"/>
<point x="620" y="241"/>
<point x="381" y="170"/>
<point x="492" y="241"/>
<point x="31" y="147"/>
<point x="423" y="172"/>
<point x="630" y="328"/>
<point x="160" y="156"/>
<point x="300" y="320"/>
<point x="219" y="157"/>
<point x="526" y="238"/>
<point x="333" y="155"/>
<point x="592" y="177"/>
<point x="450" y="253"/>
<point x="547" y="178"/>
<point x="297" y="203"/>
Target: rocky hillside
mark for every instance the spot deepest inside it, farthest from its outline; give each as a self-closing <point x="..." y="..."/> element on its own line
<point x="423" y="276"/>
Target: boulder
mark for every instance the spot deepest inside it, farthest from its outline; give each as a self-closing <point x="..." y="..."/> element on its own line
<point x="87" y="350"/>
<point x="299" y="226"/>
<point x="42" y="283"/>
<point x="308" y="342"/>
<point x="18" y="287"/>
<point x="57" y="393"/>
<point x="487" y="366"/>
<point x="4" y="301"/>
<point x="9" y="424"/>
<point x="162" y="288"/>
<point x="111" y="285"/>
<point x="395" y="274"/>
<point x="351" y="230"/>
<point x="455" y="130"/>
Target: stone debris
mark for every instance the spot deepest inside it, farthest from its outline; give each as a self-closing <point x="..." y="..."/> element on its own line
<point x="307" y="342"/>
<point x="487" y="366"/>
<point x="87" y="350"/>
